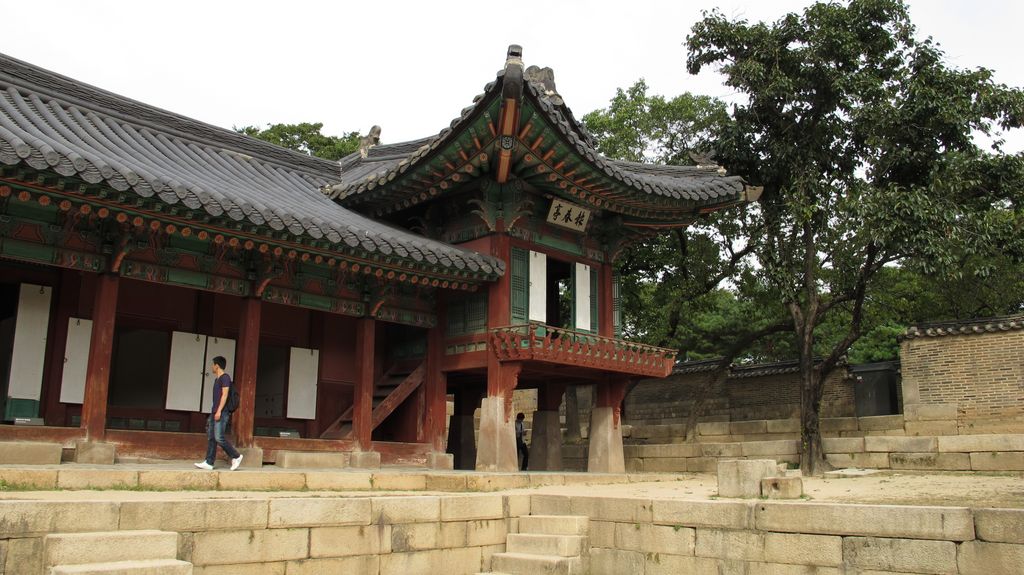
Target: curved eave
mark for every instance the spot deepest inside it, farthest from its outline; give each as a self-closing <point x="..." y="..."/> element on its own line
<point x="559" y="157"/>
<point x="393" y="177"/>
<point x="552" y="152"/>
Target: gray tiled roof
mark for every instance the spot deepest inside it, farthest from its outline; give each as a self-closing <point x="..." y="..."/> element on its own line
<point x="741" y="371"/>
<point x="966" y="327"/>
<point x="699" y="186"/>
<point x="53" y="123"/>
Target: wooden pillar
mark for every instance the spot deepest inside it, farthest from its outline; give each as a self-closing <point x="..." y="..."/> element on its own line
<point x="605" y="302"/>
<point x="436" y="390"/>
<point x="362" y="399"/>
<point x="97" y="377"/>
<point x="461" y="436"/>
<point x="246" y="361"/>
<point x="67" y="303"/>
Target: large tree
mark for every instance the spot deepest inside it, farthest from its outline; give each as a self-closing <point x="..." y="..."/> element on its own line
<point x="674" y="285"/>
<point x="865" y="142"/>
<point x="306" y="138"/>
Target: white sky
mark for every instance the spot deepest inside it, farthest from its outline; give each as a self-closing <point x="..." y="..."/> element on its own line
<point x="411" y="66"/>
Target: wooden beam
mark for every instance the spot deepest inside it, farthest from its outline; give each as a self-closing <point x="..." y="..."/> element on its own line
<point x="362" y="399"/>
<point x="397" y="396"/>
<point x="97" y="378"/>
<point x="246" y="362"/>
<point x="333" y="430"/>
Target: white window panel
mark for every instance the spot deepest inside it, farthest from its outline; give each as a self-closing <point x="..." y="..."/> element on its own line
<point x="29" y="351"/>
<point x="538" y="287"/>
<point x="215" y="346"/>
<point x="185" y="374"/>
<point x="303" y="372"/>
<point x="76" y="360"/>
<point x="582" y="299"/>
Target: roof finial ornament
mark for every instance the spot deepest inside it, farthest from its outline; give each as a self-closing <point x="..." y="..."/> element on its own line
<point x="706" y="159"/>
<point x="368" y="141"/>
<point x="545" y="77"/>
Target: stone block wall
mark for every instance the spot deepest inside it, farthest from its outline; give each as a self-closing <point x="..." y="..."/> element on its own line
<point x="657" y="537"/>
<point x="459" y="534"/>
<point x="389" y="534"/>
<point x="989" y="452"/>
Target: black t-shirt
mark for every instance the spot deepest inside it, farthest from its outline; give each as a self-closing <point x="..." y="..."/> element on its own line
<point x="222" y="382"/>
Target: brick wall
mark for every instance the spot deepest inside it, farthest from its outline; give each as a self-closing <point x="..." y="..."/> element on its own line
<point x="979" y="375"/>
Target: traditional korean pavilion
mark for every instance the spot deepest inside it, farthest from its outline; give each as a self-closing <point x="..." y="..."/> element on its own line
<point x="352" y="299"/>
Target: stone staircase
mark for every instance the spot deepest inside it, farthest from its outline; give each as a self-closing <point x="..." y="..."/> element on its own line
<point x="147" y="552"/>
<point x="546" y="545"/>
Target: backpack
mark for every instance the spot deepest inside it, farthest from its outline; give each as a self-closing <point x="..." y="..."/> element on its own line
<point x="233" y="399"/>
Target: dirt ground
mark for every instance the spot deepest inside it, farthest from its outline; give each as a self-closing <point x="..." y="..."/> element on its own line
<point x="955" y="489"/>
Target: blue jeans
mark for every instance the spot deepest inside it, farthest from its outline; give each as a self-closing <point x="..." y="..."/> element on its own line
<point x="215" y="436"/>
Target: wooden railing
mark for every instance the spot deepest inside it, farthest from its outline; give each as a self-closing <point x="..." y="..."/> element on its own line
<point x="539" y="342"/>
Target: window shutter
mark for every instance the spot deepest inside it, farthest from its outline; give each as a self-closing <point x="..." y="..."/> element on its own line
<point x="476" y="313"/>
<point x="616" y="304"/>
<point x="456" y="318"/>
<point x="520" y="285"/>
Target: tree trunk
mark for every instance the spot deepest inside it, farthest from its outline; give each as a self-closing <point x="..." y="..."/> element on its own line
<point x="572" y="416"/>
<point x="700" y="400"/>
<point x="812" y="382"/>
<point x="812" y="457"/>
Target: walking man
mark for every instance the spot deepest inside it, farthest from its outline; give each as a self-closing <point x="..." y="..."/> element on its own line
<point x="220" y="419"/>
<point x="521" y="449"/>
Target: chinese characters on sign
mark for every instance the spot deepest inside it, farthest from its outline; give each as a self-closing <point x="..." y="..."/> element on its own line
<point x="568" y="215"/>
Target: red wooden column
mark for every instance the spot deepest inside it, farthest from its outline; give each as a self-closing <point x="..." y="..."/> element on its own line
<point x="97" y="377"/>
<point x="605" y="302"/>
<point x="436" y="390"/>
<point x="362" y="399"/>
<point x="246" y="360"/>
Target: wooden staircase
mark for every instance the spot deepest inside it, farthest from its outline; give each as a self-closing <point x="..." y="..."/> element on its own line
<point x="394" y="387"/>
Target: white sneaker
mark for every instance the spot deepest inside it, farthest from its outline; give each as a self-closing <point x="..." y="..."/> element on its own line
<point x="204" y="465"/>
<point x="234" y="462"/>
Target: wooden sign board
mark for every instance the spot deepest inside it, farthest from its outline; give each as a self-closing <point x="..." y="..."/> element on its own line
<point x="568" y="215"/>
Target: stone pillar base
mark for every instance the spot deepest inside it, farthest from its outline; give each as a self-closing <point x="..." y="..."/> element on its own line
<point x="461" y="442"/>
<point x="364" y="460"/>
<point x="252" y="457"/>
<point x="605" y="453"/>
<point x="95" y="452"/>
<point x="546" y="442"/>
<point x="438" y="460"/>
<point x="497" y="447"/>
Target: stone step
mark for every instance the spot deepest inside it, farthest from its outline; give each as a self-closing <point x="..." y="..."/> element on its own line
<point x="108" y="546"/>
<point x="312" y="459"/>
<point x="30" y="453"/>
<point x="527" y="564"/>
<point x="539" y="544"/>
<point x="150" y="567"/>
<point x="554" y="524"/>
